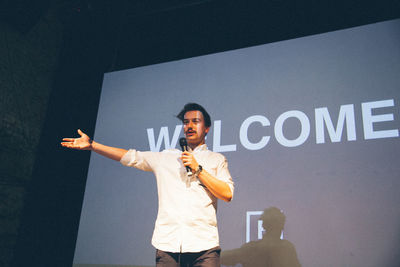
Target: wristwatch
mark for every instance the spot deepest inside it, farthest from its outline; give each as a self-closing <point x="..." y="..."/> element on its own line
<point x="198" y="171"/>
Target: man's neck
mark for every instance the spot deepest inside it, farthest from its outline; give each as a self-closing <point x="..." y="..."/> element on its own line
<point x="193" y="147"/>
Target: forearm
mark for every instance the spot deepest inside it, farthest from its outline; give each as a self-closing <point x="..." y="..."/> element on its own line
<point x="218" y="188"/>
<point x="108" y="151"/>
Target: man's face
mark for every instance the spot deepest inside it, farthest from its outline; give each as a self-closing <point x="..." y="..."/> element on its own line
<point x="194" y="128"/>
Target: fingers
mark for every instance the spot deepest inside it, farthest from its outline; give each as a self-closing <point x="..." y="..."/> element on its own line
<point x="76" y="143"/>
<point x="186" y="153"/>
<point x="189" y="160"/>
<point x="71" y="145"/>
<point x="186" y="156"/>
<point x="186" y="163"/>
<point x="69" y="139"/>
<point x="65" y="144"/>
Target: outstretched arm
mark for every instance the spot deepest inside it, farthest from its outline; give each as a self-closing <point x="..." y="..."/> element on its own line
<point x="218" y="188"/>
<point x="85" y="143"/>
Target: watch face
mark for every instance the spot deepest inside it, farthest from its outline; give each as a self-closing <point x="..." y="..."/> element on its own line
<point x="198" y="171"/>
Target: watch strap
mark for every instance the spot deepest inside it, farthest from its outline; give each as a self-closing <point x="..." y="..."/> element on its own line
<point x="198" y="171"/>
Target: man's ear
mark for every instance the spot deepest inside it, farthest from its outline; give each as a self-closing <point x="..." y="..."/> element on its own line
<point x="207" y="129"/>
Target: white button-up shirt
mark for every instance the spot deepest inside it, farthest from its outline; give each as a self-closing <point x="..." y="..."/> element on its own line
<point x="186" y="220"/>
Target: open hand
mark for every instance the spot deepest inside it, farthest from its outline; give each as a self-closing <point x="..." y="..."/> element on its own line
<point x="81" y="143"/>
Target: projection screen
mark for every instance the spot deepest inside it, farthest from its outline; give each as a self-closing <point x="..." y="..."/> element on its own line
<point x="310" y="128"/>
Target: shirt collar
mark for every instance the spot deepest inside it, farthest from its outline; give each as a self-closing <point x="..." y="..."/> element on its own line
<point x="202" y="147"/>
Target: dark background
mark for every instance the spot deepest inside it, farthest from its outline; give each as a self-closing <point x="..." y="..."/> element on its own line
<point x="52" y="58"/>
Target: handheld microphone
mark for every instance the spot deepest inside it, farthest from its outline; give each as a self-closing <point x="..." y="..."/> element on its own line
<point x="184" y="147"/>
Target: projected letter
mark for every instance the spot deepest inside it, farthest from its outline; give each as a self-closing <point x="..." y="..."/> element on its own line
<point x="346" y="113"/>
<point x="369" y="119"/>
<point x="305" y="128"/>
<point x="164" y="135"/>
<point x="217" y="147"/>
<point x="244" y="129"/>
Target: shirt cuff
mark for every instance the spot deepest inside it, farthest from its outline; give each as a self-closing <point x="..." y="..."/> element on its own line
<point x="129" y="158"/>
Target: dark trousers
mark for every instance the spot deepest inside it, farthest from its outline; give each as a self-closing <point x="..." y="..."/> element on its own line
<point x="207" y="258"/>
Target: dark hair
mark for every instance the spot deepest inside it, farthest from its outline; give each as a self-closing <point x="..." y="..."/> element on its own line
<point x="194" y="106"/>
<point x="273" y="218"/>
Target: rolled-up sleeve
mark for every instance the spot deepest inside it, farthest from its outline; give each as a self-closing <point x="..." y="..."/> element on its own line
<point x="224" y="174"/>
<point x="138" y="159"/>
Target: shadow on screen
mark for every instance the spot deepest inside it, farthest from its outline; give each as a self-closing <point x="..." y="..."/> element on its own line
<point x="271" y="250"/>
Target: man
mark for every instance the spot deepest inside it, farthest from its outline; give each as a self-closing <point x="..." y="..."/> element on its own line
<point x="185" y="231"/>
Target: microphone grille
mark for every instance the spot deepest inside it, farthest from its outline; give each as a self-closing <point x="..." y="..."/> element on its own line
<point x="182" y="141"/>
